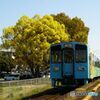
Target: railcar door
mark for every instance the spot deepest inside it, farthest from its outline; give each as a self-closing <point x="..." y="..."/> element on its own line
<point x="68" y="62"/>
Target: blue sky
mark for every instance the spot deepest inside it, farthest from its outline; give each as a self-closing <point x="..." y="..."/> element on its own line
<point x="87" y="10"/>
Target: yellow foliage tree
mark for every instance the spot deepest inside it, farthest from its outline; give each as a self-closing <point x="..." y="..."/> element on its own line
<point x="31" y="38"/>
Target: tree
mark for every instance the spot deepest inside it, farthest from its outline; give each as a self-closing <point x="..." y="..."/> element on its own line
<point x="75" y="27"/>
<point x="31" y="39"/>
<point x="6" y="62"/>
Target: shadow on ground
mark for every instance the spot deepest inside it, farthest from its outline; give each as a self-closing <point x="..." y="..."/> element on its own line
<point x="53" y="91"/>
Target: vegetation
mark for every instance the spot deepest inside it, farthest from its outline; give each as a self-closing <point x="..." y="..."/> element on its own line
<point x="31" y="37"/>
<point x="19" y="92"/>
<point x="75" y="27"/>
<point x="6" y="62"/>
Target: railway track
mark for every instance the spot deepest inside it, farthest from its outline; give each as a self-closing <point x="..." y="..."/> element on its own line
<point x="63" y="93"/>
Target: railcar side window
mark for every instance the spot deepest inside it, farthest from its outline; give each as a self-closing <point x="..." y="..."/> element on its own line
<point x="81" y="54"/>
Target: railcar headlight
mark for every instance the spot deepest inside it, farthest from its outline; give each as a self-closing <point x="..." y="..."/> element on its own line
<point x="55" y="69"/>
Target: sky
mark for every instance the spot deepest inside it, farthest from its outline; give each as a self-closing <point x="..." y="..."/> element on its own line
<point x="87" y="10"/>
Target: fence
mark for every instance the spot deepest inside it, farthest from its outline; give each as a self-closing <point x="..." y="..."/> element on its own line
<point x="14" y="90"/>
<point x="35" y="81"/>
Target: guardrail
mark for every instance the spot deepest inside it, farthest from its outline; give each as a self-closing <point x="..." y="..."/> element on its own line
<point x="34" y="81"/>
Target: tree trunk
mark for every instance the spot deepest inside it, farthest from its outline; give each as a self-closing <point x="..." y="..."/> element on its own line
<point x="37" y="72"/>
<point x="31" y="66"/>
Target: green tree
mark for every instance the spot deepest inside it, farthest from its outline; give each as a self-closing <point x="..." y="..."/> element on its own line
<point x="31" y="39"/>
<point x="6" y="63"/>
<point x="75" y="27"/>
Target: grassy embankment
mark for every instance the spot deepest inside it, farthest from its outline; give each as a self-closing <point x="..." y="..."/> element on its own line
<point x="19" y="92"/>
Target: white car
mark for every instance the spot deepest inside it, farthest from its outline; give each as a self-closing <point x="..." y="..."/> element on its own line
<point x="12" y="77"/>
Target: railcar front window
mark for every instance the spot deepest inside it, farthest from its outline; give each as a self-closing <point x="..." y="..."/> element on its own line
<point x="56" y="54"/>
<point x="81" y="54"/>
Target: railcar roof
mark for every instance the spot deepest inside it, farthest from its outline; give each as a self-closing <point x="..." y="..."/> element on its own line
<point x="68" y="43"/>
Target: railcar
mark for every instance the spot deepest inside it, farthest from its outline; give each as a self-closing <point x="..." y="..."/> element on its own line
<point x="71" y="63"/>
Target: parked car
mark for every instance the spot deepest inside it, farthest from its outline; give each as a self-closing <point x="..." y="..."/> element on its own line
<point x="2" y="75"/>
<point x="12" y="77"/>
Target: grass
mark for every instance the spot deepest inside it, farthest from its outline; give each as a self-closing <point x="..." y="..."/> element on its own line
<point x="19" y="92"/>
